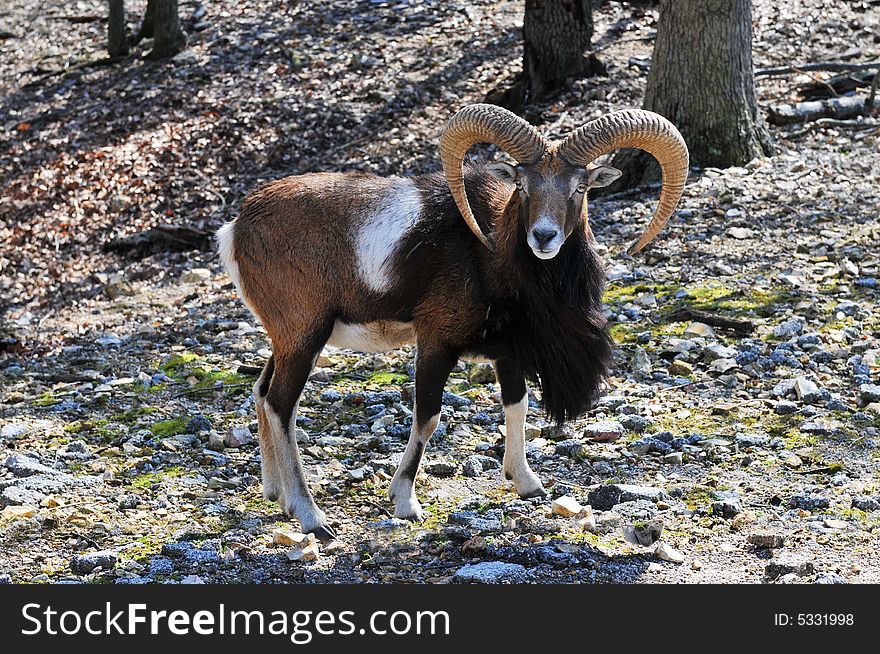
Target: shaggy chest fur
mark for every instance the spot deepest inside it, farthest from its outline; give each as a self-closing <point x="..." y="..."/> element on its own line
<point x="550" y="321"/>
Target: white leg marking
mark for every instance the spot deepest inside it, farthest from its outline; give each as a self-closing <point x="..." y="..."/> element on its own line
<point x="295" y="499"/>
<point x="380" y="233"/>
<point x="515" y="466"/>
<point x="402" y="489"/>
<point x="269" y="465"/>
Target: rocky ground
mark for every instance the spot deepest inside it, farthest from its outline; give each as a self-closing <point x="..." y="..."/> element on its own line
<point x="127" y="433"/>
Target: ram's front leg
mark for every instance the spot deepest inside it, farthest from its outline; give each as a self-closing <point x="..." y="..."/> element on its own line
<point x="515" y="398"/>
<point x="432" y="370"/>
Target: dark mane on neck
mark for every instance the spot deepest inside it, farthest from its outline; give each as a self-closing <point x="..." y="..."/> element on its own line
<point x="556" y="328"/>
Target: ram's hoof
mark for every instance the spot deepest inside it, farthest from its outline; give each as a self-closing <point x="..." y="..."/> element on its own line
<point x="537" y="492"/>
<point x="324" y="533"/>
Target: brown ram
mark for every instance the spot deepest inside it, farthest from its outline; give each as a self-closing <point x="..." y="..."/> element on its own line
<point x="372" y="263"/>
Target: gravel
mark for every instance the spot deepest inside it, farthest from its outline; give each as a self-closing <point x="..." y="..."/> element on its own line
<point x="85" y="563"/>
<point x="809" y="501"/>
<point x="491" y="572"/>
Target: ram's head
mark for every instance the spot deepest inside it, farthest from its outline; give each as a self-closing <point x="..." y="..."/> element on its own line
<point x="552" y="179"/>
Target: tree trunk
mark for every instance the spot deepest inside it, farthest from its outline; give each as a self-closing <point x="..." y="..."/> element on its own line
<point x="169" y="39"/>
<point x="146" y="30"/>
<point x="117" y="41"/>
<point x="702" y="80"/>
<point x="557" y="35"/>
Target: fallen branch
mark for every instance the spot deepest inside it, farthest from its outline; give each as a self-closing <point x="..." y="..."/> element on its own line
<point x="734" y="324"/>
<point x="828" y="66"/>
<point x="167" y="238"/>
<point x="93" y="18"/>
<point x="831" y="122"/>
<point x="835" y="86"/>
<point x="803" y="112"/>
<point x="64" y="378"/>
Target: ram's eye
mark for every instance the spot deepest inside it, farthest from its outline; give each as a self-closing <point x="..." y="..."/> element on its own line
<point x="582" y="188"/>
<point x="518" y="184"/>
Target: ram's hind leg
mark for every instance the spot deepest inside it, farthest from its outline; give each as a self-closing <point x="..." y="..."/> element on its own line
<point x="292" y="369"/>
<point x="515" y="398"/>
<point x="268" y="455"/>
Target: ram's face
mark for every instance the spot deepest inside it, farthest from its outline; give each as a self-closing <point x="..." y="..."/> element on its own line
<point x="553" y="194"/>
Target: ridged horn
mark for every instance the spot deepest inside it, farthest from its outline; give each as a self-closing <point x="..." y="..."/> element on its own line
<point x="635" y="129"/>
<point x="485" y="123"/>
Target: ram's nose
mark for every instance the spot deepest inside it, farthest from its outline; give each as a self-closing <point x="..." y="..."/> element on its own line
<point x="543" y="237"/>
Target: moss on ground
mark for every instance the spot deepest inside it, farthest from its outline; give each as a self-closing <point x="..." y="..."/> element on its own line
<point x="178" y="363"/>
<point x="47" y="399"/>
<point x="166" y="428"/>
<point x="387" y="377"/>
<point x="148" y="480"/>
<point x="99" y="428"/>
<point x="132" y="416"/>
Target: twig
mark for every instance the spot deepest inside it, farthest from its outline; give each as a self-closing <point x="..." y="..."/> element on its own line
<point x="63" y="377"/>
<point x="208" y="189"/>
<point x="208" y="389"/>
<point x="650" y="37"/>
<point x="830" y="66"/>
<point x="675" y="387"/>
<point x="832" y="122"/>
<point x="869" y="103"/>
<point x="106" y="61"/>
<point x="818" y="471"/>
<point x="742" y="326"/>
<point x="379" y="507"/>
<point x="331" y="152"/>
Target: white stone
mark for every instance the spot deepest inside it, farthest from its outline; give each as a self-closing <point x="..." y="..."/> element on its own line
<point x="666" y="552"/>
<point x="287" y="537"/>
<point x="238" y="435"/>
<point x="587" y="521"/>
<point x="566" y="506"/>
<point x="699" y="330"/>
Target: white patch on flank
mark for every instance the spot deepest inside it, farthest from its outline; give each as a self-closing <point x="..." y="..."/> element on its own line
<point x="379" y="336"/>
<point x="226" y="250"/>
<point x="381" y="231"/>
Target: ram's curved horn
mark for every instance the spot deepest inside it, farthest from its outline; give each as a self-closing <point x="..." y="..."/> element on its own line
<point x="485" y="123"/>
<point x="635" y="129"/>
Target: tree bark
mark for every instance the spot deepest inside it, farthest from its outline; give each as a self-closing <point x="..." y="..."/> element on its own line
<point x="169" y="38"/>
<point x="117" y="41"/>
<point x="146" y="30"/>
<point x="557" y="35"/>
<point x="702" y="80"/>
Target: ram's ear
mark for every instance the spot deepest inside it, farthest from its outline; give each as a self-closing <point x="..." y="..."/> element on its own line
<point x="503" y="171"/>
<point x="602" y="176"/>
